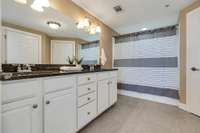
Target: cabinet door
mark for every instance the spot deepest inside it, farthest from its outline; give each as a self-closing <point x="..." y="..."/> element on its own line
<point x="103" y="90"/>
<point x="112" y="91"/>
<point x="60" y="112"/>
<point x="22" y="47"/>
<point x="21" y="117"/>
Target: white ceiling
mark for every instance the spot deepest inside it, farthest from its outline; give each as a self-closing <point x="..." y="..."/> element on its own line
<point x="137" y="14"/>
<point x="23" y="15"/>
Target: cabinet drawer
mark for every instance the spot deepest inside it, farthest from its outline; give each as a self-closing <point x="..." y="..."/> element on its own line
<point x="86" y="99"/>
<point x="85" y="89"/>
<point x="19" y="90"/>
<point x="103" y="75"/>
<point x="58" y="83"/>
<point x="113" y="74"/>
<point x="86" y="114"/>
<point x="88" y="78"/>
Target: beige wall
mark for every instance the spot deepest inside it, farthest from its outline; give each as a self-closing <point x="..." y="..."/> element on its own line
<point x="183" y="54"/>
<point x="106" y="45"/>
<point x="70" y="9"/>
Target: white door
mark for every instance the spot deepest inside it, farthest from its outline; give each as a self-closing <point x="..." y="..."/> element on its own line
<point x="103" y="91"/>
<point x="193" y="61"/>
<point x="61" y="50"/>
<point x="60" y="112"/>
<point x="112" y="91"/>
<point x="22" y="47"/>
<point x="20" y="117"/>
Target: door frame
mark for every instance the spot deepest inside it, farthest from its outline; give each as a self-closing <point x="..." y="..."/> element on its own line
<point x="4" y="48"/>
<point x="61" y="41"/>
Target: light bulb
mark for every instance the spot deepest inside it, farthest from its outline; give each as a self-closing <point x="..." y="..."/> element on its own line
<point x="92" y="31"/>
<point x="45" y="3"/>
<point x="37" y="6"/>
<point x="80" y="25"/>
<point x="21" y="1"/>
<point x="98" y="29"/>
<point x="86" y="22"/>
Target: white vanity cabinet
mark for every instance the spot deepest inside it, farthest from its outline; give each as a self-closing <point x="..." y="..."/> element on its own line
<point x="21" y="117"/>
<point x="107" y="90"/>
<point x="60" y="105"/>
<point x="56" y="104"/>
<point x="21" y="108"/>
<point x="87" y="99"/>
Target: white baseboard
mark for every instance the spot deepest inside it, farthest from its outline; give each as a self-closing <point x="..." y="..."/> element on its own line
<point x="183" y="107"/>
<point x="149" y="97"/>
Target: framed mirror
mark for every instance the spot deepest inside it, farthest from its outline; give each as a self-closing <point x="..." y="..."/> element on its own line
<point x="32" y="35"/>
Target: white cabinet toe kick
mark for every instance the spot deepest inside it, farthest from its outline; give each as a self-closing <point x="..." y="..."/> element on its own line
<point x="59" y="104"/>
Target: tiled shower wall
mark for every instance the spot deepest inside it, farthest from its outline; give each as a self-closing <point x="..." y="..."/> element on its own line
<point x="90" y="52"/>
<point x="148" y="62"/>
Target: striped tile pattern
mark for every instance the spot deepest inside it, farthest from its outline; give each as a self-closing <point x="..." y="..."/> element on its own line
<point x="149" y="65"/>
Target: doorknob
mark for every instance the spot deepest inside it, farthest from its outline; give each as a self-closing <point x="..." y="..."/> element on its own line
<point x="195" y="69"/>
<point x="47" y="102"/>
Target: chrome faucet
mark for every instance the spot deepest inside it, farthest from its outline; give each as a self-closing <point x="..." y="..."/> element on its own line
<point x="24" y="68"/>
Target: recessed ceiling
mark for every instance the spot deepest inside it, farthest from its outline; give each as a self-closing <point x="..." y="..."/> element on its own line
<point x="24" y="15"/>
<point x="136" y="14"/>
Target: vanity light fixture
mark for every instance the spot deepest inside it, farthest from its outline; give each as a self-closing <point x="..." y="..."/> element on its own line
<point x="39" y="5"/>
<point x="83" y="24"/>
<point x="98" y="29"/>
<point x="54" y="25"/>
<point x="21" y="1"/>
<point x="86" y="25"/>
<point x="143" y="29"/>
<point x="92" y="30"/>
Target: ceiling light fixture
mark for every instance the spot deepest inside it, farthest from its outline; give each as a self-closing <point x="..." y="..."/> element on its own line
<point x="21" y="1"/>
<point x="54" y="25"/>
<point x="39" y="4"/>
<point x="143" y="29"/>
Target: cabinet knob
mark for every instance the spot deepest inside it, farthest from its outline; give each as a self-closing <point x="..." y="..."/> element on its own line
<point x="47" y="102"/>
<point x="88" y="113"/>
<point x="89" y="98"/>
<point x="35" y="106"/>
<point x="88" y="78"/>
<point x="89" y="89"/>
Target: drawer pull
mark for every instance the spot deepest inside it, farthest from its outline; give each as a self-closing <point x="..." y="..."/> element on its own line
<point x="89" y="78"/>
<point x="89" y="89"/>
<point x="47" y="102"/>
<point x="35" y="106"/>
<point x="89" y="98"/>
<point x="88" y="113"/>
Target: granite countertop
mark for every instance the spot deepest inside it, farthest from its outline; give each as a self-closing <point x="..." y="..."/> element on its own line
<point x="39" y="74"/>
